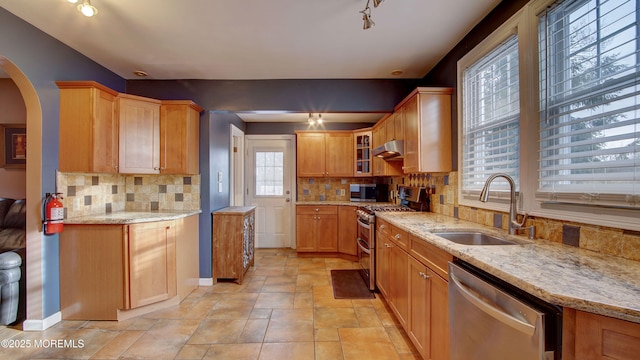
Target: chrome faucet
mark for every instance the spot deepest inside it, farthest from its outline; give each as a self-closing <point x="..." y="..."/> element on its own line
<point x="514" y="225"/>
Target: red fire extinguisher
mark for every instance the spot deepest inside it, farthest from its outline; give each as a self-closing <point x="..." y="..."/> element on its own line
<point x="53" y="214"/>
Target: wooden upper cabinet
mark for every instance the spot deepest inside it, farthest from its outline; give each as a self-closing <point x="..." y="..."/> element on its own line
<point x="427" y="130"/>
<point x="384" y="128"/>
<point x="363" y="140"/>
<point x="88" y="127"/>
<point x="322" y="154"/>
<point x="139" y="124"/>
<point x="311" y="154"/>
<point x="179" y="137"/>
<point x="339" y="154"/>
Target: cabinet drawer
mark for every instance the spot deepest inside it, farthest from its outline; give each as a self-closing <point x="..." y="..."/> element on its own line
<point x="400" y="237"/>
<point x="383" y="227"/>
<point x="320" y="209"/>
<point x="430" y="255"/>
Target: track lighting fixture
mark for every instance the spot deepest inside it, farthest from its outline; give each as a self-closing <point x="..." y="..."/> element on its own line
<point x="315" y="120"/>
<point x="85" y="8"/>
<point x="366" y="14"/>
<point x="366" y="17"/>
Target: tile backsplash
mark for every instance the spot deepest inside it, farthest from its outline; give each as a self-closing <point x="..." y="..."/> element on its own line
<point x="94" y="194"/>
<point x="607" y="240"/>
<point x="328" y="189"/>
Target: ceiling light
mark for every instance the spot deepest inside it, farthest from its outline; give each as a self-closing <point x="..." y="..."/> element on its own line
<point x="140" y="73"/>
<point x="397" y="72"/>
<point x="72" y="1"/>
<point x="87" y="9"/>
<point x="320" y="121"/>
<point x="377" y="3"/>
<point x="311" y="120"/>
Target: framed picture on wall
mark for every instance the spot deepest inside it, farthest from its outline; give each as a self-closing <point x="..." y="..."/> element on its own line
<point x="13" y="146"/>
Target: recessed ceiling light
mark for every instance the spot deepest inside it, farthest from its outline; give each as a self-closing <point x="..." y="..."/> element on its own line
<point x="140" y="73"/>
<point x="397" y="72"/>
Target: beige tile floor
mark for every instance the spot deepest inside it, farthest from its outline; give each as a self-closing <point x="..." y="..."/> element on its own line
<point x="283" y="310"/>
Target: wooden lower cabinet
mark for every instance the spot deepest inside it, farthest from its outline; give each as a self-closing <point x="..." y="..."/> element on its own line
<point x="399" y="283"/>
<point x="414" y="288"/>
<point x="588" y="336"/>
<point x="428" y="323"/>
<point x="383" y="252"/>
<point x="114" y="272"/>
<point x="347" y="230"/>
<point x="233" y="242"/>
<point x="151" y="263"/>
<point x="317" y="228"/>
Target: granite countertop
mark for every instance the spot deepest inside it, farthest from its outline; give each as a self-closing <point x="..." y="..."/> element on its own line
<point x="234" y="210"/>
<point x="129" y="217"/>
<point x="559" y="274"/>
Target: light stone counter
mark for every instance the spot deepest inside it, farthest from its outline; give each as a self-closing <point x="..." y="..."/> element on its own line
<point x="129" y="217"/>
<point x="341" y="203"/>
<point x="562" y="275"/>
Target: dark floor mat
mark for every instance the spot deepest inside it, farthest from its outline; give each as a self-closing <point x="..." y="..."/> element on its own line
<point x="349" y="284"/>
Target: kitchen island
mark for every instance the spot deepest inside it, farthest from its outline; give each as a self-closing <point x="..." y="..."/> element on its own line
<point x="119" y="265"/>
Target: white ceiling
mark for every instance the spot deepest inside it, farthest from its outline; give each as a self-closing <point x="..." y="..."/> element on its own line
<point x="258" y="39"/>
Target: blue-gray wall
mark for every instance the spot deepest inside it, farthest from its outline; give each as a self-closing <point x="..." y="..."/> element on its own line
<point x="44" y="60"/>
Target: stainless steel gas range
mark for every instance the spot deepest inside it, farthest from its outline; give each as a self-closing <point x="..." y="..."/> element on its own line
<point x="411" y="199"/>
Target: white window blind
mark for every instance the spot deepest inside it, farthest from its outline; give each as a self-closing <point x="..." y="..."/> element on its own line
<point x="590" y="103"/>
<point x="490" y="118"/>
<point x="269" y="173"/>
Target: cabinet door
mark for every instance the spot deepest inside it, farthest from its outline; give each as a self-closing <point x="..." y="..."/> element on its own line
<point x="362" y="154"/>
<point x="382" y="263"/>
<point x="139" y="123"/>
<point x="311" y="154"/>
<point x="347" y="230"/>
<point x="398" y="125"/>
<point x="152" y="262"/>
<point x="326" y="229"/>
<point x="412" y="138"/>
<point x="339" y="154"/>
<point x="378" y="139"/>
<point x="418" y="326"/>
<point x="399" y="283"/>
<point x="439" y="317"/>
<point x="88" y="128"/>
<point x="305" y="232"/>
<point x="179" y="135"/>
<point x="599" y="337"/>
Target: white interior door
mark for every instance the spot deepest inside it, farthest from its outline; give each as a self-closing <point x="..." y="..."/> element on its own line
<point x="270" y="182"/>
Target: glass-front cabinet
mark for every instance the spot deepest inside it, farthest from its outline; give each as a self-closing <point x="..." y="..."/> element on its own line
<point x="362" y="146"/>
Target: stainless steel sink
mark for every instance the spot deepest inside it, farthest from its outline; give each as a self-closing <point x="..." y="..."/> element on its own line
<point x="473" y="238"/>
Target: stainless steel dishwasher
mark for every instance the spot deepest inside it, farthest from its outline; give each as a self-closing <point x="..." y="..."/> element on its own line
<point x="491" y="320"/>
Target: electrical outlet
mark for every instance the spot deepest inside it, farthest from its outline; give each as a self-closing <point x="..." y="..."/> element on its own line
<point x="342" y="192"/>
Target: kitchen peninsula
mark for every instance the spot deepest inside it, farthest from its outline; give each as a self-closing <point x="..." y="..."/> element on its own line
<point x="596" y="291"/>
<point x="124" y="264"/>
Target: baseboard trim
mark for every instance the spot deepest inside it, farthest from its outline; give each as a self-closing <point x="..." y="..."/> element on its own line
<point x="41" y="325"/>
<point x="205" y="282"/>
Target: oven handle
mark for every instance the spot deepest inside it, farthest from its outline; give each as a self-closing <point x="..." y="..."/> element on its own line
<point x="491" y="310"/>
<point x="366" y="226"/>
<point x="362" y="247"/>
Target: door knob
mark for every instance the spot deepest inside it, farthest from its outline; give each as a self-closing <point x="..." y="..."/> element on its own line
<point x="287" y="200"/>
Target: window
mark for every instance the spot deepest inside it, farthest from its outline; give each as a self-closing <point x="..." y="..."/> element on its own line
<point x="491" y="117"/>
<point x="269" y="173"/>
<point x="589" y="103"/>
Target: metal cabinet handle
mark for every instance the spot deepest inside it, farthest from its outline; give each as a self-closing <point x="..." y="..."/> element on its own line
<point x="382" y="227"/>
<point x="424" y="275"/>
<point x="397" y="236"/>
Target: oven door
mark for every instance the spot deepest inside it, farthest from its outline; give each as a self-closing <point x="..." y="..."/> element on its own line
<point x="366" y="253"/>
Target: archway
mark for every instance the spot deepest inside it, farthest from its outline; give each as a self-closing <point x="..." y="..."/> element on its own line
<point x="34" y="195"/>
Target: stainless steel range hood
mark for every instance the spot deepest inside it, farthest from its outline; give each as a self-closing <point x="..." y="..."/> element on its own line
<point x="392" y="150"/>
